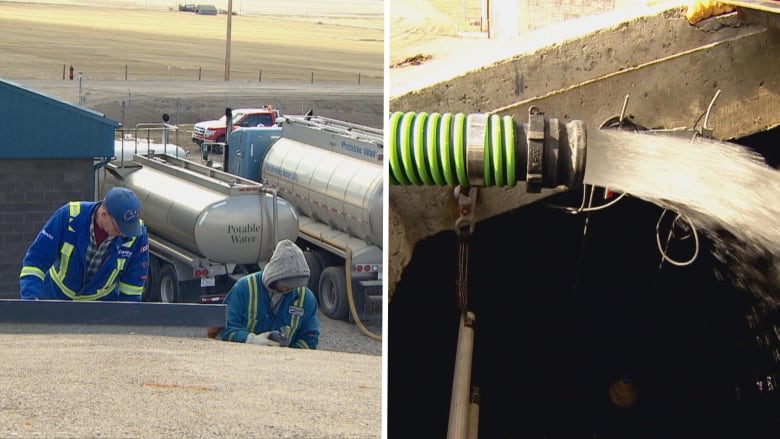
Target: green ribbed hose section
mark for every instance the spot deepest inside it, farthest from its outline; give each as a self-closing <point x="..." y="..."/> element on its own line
<point x="430" y="149"/>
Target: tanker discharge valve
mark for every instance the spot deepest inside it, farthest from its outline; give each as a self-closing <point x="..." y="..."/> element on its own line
<point x="486" y="150"/>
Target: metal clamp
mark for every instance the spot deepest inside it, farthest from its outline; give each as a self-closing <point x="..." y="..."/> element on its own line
<point x="535" y="137"/>
<point x="476" y="126"/>
<point x="467" y="200"/>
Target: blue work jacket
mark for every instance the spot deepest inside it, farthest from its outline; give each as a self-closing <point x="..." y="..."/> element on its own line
<point x="55" y="264"/>
<point x="249" y="310"/>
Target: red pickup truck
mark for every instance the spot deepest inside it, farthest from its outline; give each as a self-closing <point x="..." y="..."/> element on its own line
<point x="213" y="131"/>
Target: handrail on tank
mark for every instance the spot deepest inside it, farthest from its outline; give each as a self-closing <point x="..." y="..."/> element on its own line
<point x="340" y="127"/>
<point x="211" y="178"/>
<point x="131" y="134"/>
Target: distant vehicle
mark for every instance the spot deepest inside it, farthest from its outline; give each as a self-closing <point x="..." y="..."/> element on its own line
<point x="206" y="10"/>
<point x="189" y="7"/>
<point x="214" y="131"/>
<point x="125" y="149"/>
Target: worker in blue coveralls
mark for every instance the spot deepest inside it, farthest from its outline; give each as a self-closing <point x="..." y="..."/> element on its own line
<point x="273" y="307"/>
<point x="89" y="250"/>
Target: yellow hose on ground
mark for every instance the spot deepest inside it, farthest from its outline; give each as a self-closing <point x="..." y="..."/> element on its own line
<point x="352" y="309"/>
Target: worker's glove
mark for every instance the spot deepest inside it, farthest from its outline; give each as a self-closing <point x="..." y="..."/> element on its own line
<point x="699" y="10"/>
<point x="261" y="339"/>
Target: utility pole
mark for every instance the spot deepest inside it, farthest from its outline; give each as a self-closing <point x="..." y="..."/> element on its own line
<point x="227" y="47"/>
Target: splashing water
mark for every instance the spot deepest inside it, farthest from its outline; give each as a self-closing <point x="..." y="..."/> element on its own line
<point x="719" y="186"/>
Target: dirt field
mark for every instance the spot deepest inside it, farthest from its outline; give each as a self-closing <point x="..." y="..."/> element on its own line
<point x="136" y="64"/>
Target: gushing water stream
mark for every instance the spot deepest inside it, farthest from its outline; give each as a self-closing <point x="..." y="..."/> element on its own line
<point x="718" y="186"/>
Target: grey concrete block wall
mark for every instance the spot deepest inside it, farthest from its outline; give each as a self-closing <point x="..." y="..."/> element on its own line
<point x="31" y="191"/>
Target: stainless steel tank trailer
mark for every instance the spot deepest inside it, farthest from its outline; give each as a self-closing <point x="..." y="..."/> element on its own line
<point x="206" y="227"/>
<point x="331" y="172"/>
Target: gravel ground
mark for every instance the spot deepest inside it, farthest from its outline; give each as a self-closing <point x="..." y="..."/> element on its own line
<point x="336" y="335"/>
<point x="147" y="386"/>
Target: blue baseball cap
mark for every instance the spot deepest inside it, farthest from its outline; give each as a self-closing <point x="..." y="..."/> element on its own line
<point x="124" y="207"/>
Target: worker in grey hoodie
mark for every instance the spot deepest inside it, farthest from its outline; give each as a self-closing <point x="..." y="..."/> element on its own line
<point x="273" y="307"/>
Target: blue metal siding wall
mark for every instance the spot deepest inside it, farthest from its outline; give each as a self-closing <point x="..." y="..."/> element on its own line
<point x="32" y="190"/>
<point x="38" y="126"/>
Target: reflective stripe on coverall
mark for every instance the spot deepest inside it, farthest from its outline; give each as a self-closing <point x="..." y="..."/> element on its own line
<point x="58" y="274"/>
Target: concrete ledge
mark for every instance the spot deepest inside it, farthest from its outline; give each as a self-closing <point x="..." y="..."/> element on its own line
<point x="37" y="316"/>
<point x="45" y="328"/>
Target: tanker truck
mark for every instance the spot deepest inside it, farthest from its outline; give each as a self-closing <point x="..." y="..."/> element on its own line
<point x="331" y="172"/>
<point x="206" y="228"/>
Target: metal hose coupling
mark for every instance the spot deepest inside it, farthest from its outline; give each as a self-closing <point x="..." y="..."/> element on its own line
<point x="486" y="150"/>
<point x="282" y="336"/>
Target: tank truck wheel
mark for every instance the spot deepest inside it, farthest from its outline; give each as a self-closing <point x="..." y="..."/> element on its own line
<point x="152" y="286"/>
<point x="169" y="284"/>
<point x="333" y="293"/>
<point x="315" y="270"/>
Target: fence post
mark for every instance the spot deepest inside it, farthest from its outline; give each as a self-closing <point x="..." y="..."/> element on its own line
<point x="178" y="117"/>
<point x="125" y="72"/>
<point x="358" y="78"/>
<point x="63" y="72"/>
<point x="312" y="77"/>
<point x="260" y="76"/>
<point x="199" y="71"/>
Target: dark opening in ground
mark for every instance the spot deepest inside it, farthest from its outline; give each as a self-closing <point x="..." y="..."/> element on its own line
<point x="560" y="317"/>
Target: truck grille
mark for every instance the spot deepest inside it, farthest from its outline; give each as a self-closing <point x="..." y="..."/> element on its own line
<point x="197" y="133"/>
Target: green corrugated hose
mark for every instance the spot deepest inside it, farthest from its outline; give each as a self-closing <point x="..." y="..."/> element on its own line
<point x="430" y="149"/>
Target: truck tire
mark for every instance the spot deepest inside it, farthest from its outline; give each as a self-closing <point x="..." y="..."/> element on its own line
<point x="151" y="291"/>
<point x="169" y="284"/>
<point x="333" y="301"/>
<point x="315" y="270"/>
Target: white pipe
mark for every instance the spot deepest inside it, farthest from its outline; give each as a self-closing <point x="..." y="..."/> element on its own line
<point x="461" y="380"/>
<point x="473" y="432"/>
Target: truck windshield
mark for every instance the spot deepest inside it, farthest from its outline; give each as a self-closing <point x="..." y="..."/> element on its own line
<point x="266" y="120"/>
<point x="236" y="117"/>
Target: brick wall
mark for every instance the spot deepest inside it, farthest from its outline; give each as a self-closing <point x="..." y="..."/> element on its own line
<point x="30" y="190"/>
<point x="535" y="14"/>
